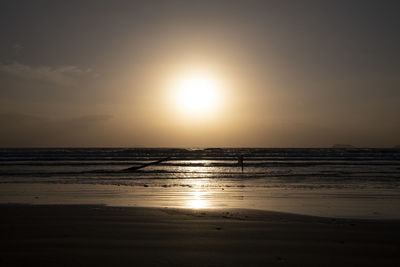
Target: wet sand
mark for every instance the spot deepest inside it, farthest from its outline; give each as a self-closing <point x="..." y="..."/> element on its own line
<point x="354" y="204"/>
<point x="90" y="235"/>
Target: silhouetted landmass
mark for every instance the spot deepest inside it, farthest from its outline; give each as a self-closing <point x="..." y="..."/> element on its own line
<point x="342" y="146"/>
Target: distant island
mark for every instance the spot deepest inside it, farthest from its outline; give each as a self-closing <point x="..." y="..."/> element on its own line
<point x="342" y="146"/>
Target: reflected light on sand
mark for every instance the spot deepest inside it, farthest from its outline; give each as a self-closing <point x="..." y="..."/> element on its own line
<point x="197" y="200"/>
<point x="198" y="197"/>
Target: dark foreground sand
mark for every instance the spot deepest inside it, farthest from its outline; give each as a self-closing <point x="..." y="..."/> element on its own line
<point x="113" y="236"/>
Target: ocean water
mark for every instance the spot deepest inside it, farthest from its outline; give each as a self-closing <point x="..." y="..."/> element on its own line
<point x="288" y="168"/>
<point x="359" y="180"/>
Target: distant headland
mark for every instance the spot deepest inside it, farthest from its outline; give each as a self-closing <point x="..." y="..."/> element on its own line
<point x="342" y="146"/>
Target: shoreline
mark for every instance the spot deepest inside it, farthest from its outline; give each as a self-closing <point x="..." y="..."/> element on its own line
<point x="241" y="213"/>
<point x="96" y="235"/>
<point x="323" y="203"/>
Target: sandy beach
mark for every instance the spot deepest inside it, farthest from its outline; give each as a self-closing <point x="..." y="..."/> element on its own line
<point x="94" y="235"/>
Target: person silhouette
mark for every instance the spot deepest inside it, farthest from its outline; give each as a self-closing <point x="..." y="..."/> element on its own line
<point x="240" y="161"/>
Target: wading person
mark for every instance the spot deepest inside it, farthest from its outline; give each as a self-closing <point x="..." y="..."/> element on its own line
<point x="240" y="161"/>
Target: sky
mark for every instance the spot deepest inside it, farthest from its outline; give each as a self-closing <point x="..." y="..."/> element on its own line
<point x="289" y="73"/>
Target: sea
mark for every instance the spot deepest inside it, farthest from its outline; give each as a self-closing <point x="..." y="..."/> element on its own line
<point x="339" y="182"/>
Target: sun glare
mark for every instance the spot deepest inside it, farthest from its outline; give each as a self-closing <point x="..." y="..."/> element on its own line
<point x="197" y="94"/>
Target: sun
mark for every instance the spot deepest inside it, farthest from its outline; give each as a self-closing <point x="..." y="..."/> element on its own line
<point x="197" y="93"/>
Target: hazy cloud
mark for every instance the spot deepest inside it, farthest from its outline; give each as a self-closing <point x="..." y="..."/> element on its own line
<point x="22" y="118"/>
<point x="20" y="129"/>
<point x="89" y="119"/>
<point x="18" y="48"/>
<point x="63" y="75"/>
<point x="10" y="119"/>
